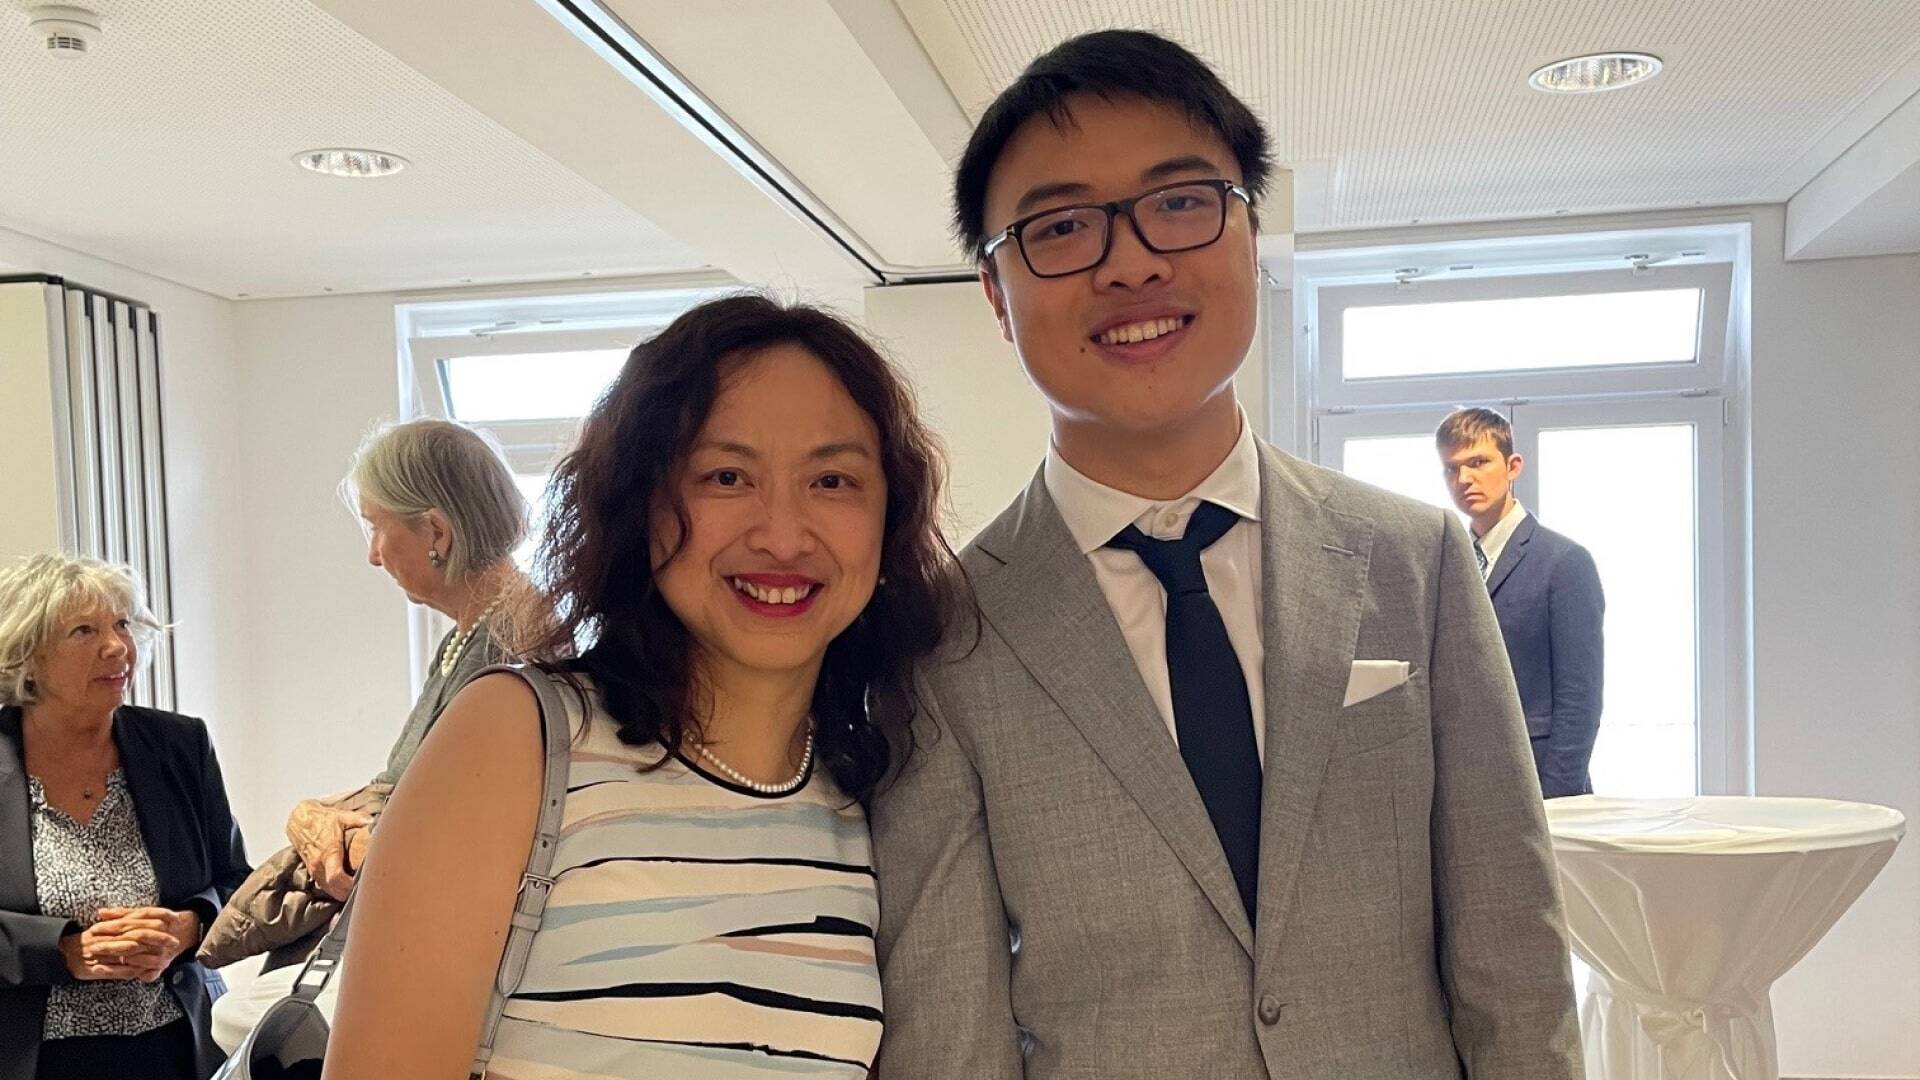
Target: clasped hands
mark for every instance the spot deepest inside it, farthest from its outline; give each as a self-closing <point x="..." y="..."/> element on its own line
<point x="136" y="944"/>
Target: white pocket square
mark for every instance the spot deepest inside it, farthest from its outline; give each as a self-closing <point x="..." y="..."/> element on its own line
<point x="1371" y="678"/>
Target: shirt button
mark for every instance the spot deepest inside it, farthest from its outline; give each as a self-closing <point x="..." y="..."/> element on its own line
<point x="1170" y="519"/>
<point x="1269" y="1009"/>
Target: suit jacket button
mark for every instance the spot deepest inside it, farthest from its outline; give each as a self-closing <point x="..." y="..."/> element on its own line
<point x="1269" y="1009"/>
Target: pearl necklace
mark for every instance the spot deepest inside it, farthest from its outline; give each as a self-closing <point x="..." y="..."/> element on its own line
<point x="458" y="642"/>
<point x="784" y="787"/>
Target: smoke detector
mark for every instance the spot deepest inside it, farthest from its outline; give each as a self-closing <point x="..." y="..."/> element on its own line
<point x="69" y="32"/>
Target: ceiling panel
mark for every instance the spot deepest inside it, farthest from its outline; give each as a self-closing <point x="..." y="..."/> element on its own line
<point x="1418" y="110"/>
<point x="799" y="82"/>
<point x="168" y="147"/>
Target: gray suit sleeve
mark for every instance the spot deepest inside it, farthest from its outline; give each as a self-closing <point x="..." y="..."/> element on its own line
<point x="1503" y="956"/>
<point x="943" y="942"/>
<point x="1577" y="610"/>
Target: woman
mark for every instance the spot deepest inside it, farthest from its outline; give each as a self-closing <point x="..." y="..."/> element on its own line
<point x="117" y="846"/>
<point x="443" y="517"/>
<point x="745" y="543"/>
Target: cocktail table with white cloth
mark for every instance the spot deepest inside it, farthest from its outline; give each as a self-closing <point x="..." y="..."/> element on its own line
<point x="1689" y="909"/>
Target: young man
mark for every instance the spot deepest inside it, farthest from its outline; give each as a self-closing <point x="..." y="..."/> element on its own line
<point x="1234" y="757"/>
<point x="1546" y="594"/>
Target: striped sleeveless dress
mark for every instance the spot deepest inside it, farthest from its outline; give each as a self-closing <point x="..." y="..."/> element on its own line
<point x="697" y="930"/>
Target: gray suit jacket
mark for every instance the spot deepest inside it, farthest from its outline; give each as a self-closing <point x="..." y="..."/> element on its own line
<point x="1409" y="924"/>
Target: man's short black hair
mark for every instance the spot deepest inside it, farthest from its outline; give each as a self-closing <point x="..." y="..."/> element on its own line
<point x="1109" y="63"/>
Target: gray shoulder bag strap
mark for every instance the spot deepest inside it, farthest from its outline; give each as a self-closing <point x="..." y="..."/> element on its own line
<point x="556" y="722"/>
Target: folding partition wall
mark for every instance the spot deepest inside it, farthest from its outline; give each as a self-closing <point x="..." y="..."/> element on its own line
<point x="103" y="452"/>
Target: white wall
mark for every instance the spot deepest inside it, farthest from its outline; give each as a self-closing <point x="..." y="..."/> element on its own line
<point x="205" y="497"/>
<point x="1836" y="614"/>
<point x="971" y="386"/>
<point x="330" y="663"/>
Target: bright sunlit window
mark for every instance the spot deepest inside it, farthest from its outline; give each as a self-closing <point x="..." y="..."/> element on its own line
<point x="529" y="386"/>
<point x="1522" y="333"/>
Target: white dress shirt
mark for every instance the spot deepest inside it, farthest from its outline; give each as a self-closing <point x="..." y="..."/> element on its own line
<point x="1496" y="539"/>
<point x="1095" y="514"/>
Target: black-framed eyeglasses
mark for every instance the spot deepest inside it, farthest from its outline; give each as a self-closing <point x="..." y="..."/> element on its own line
<point x="1069" y="239"/>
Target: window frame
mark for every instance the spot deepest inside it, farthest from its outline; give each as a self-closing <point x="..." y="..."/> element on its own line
<point x="1331" y="300"/>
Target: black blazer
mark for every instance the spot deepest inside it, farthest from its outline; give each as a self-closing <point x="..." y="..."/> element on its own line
<point x="181" y="802"/>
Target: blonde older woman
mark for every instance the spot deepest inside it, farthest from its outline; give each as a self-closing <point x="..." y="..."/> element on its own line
<point x="117" y="845"/>
<point x="442" y="516"/>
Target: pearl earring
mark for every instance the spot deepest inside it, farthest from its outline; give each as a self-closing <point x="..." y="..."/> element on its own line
<point x="436" y="559"/>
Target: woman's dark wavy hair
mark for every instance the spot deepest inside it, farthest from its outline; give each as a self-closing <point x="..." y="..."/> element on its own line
<point x="596" y="553"/>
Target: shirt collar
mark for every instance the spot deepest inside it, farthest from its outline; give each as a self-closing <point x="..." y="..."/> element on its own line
<point x="1095" y="513"/>
<point x="1502" y="531"/>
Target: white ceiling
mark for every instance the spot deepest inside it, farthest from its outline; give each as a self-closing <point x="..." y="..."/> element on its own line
<point x="168" y="149"/>
<point x="536" y="159"/>
<point x="1419" y="110"/>
<point x="823" y="108"/>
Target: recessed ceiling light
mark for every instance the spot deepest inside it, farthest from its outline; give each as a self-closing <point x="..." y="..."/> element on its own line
<point x="1592" y="74"/>
<point x="348" y="162"/>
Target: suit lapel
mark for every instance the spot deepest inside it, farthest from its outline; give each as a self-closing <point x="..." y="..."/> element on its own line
<point x="1047" y="605"/>
<point x="1314" y="578"/>
<point x="163" y="814"/>
<point x="1510" y="557"/>
<point x="18" y="889"/>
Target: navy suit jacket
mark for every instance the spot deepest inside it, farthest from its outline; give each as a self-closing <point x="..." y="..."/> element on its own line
<point x="1546" y="594"/>
<point x="180" y="800"/>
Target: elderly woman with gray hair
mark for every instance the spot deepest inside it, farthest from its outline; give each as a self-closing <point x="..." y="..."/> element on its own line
<point x="117" y="845"/>
<point x="442" y="516"/>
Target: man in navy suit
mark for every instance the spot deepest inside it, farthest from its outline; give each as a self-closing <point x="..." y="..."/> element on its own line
<point x="1546" y="594"/>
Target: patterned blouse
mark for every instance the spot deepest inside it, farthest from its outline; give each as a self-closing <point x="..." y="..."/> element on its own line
<point x="79" y="869"/>
<point x="697" y="930"/>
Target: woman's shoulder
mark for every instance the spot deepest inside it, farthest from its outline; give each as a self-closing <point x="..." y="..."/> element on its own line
<point x="492" y="696"/>
<point x="160" y="725"/>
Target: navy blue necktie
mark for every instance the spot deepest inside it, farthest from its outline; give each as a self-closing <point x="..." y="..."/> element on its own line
<point x="1211" y="712"/>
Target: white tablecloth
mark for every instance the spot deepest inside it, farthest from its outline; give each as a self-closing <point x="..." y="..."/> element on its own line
<point x="1689" y="909"/>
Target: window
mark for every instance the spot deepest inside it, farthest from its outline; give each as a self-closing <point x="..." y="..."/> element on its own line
<point x="528" y="385"/>
<point x="1481" y="336"/>
<point x="1620" y="384"/>
<point x="1522" y="333"/>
